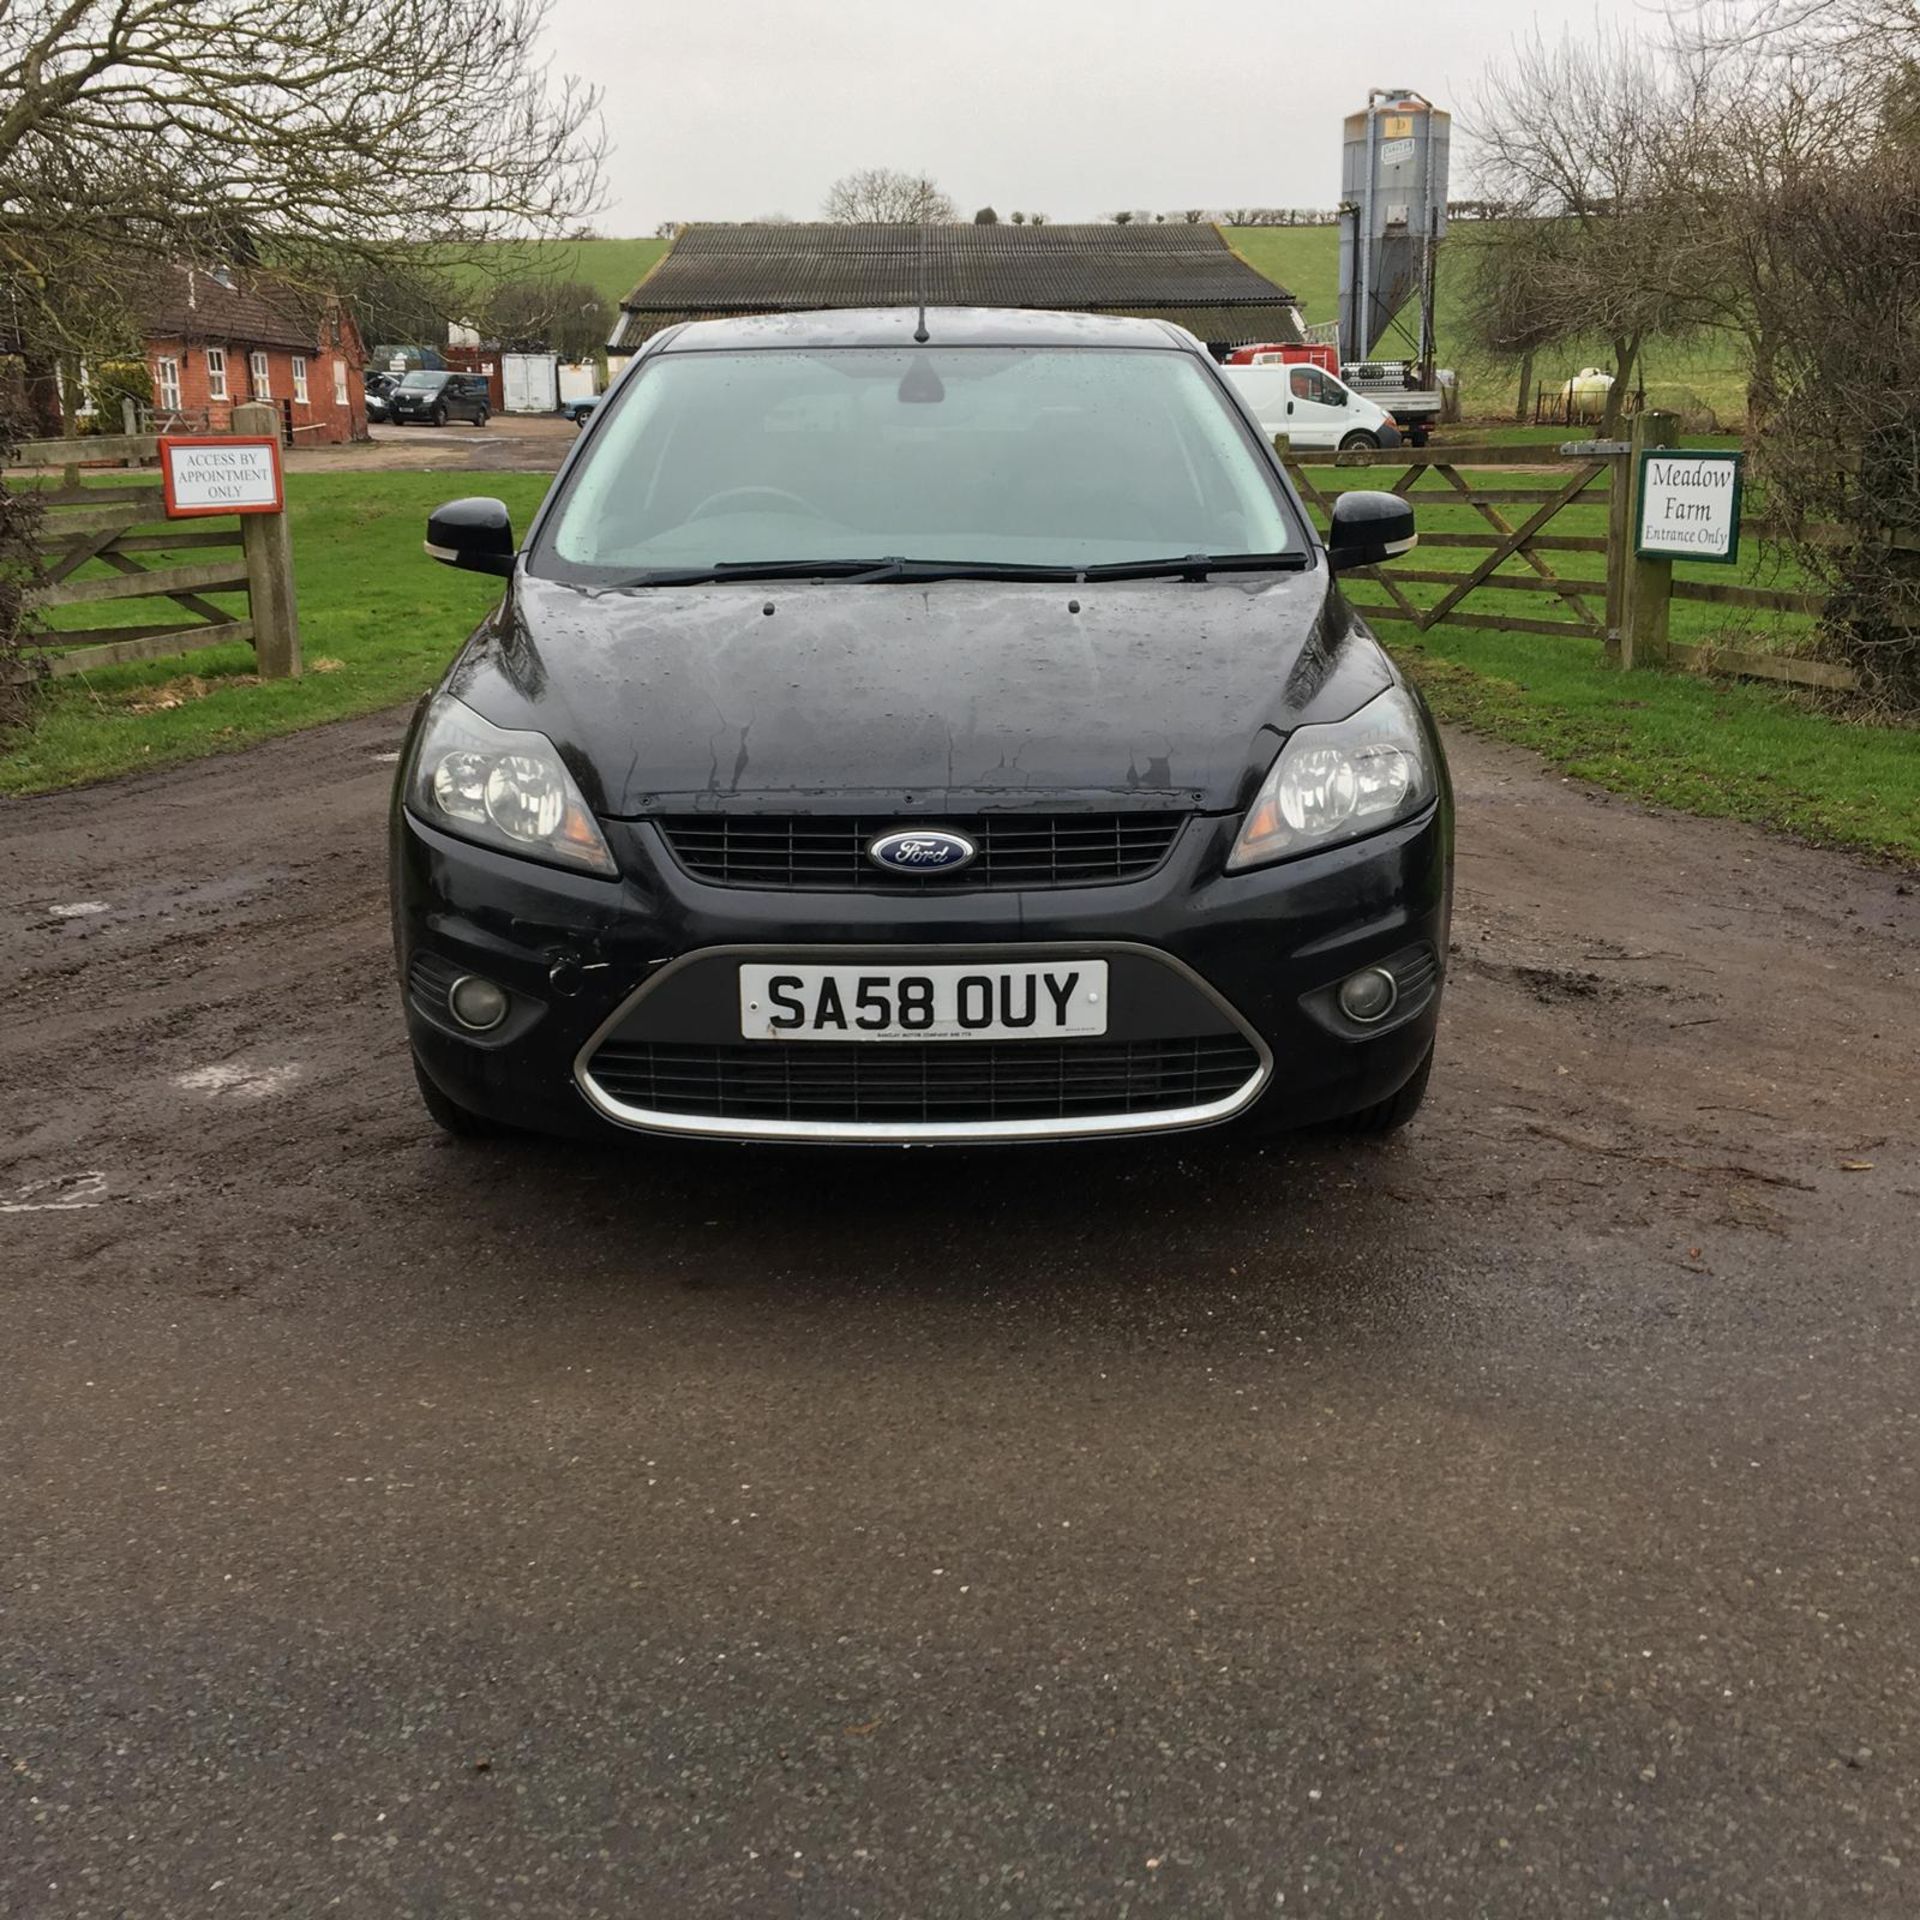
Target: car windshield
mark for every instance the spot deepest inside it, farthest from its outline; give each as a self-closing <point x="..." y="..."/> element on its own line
<point x="423" y="382"/>
<point x="1013" y="456"/>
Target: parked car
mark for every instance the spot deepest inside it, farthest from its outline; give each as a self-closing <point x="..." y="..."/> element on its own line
<point x="437" y="398"/>
<point x="1312" y="406"/>
<point x="578" y="411"/>
<point x="893" y="739"/>
<point x="378" y="385"/>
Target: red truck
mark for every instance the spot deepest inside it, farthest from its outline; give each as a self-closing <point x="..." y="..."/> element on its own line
<point x="1278" y="353"/>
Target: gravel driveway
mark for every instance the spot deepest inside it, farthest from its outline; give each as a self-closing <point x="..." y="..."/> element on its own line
<point x="1521" y="1518"/>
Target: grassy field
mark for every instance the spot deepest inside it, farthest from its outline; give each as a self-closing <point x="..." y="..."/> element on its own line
<point x="613" y="268"/>
<point x="378" y="623"/>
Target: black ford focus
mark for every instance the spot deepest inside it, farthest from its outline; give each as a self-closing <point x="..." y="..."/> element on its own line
<point x="903" y="732"/>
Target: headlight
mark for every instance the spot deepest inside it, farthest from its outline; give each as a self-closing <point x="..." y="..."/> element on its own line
<point x="506" y="790"/>
<point x="1338" y="782"/>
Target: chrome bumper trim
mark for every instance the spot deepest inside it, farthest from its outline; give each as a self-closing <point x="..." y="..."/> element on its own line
<point x="926" y="1132"/>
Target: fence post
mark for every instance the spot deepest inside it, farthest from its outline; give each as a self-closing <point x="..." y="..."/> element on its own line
<point x="1646" y="595"/>
<point x="1619" y="547"/>
<point x="269" y="554"/>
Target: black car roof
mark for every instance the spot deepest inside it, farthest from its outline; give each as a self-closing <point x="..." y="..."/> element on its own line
<point x="946" y="327"/>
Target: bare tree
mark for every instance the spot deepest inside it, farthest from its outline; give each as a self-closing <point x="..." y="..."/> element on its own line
<point x="1873" y="32"/>
<point x="1513" y="308"/>
<point x="886" y="196"/>
<point x="19" y="567"/>
<point x="566" y="316"/>
<point x="1806" y="242"/>
<point x="1846" y="329"/>
<point x="1577" y="138"/>
<point x="308" y="134"/>
<point x="1766" y="116"/>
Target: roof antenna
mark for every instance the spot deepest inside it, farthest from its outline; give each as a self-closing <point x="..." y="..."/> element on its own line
<point x="920" y="334"/>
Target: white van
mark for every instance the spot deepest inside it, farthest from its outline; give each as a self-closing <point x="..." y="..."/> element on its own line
<point x="1312" y="406"/>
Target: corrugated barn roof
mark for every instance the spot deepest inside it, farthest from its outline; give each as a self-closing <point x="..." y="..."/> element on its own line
<point x="1187" y="274"/>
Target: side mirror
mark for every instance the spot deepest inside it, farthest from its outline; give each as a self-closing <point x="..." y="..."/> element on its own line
<point x="475" y="535"/>
<point x="1369" y="528"/>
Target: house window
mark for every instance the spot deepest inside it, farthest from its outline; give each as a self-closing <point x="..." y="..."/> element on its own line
<point x="216" y="373"/>
<point x="339" y="382"/>
<point x="167" y="381"/>
<point x="300" y="378"/>
<point x="261" y="375"/>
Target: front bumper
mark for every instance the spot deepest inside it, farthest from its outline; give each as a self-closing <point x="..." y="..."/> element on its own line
<point x="1252" y="958"/>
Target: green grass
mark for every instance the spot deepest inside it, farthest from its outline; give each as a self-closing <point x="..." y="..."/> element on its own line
<point x="378" y="623"/>
<point x="1734" y="751"/>
<point x="613" y="268"/>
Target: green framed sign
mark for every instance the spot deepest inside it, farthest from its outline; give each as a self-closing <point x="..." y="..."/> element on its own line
<point x="1689" y="505"/>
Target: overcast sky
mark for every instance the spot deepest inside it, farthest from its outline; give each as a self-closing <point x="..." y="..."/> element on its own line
<point x="728" y="109"/>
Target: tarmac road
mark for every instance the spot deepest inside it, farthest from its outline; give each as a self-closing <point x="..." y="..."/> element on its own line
<point x="1521" y="1518"/>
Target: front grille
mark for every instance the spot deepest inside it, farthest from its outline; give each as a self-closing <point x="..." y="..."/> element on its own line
<point x="830" y="851"/>
<point x="906" y="1081"/>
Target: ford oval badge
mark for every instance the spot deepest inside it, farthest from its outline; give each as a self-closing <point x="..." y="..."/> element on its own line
<point x="922" y="850"/>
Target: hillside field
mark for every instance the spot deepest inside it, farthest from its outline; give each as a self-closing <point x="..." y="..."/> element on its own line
<point x="1684" y="375"/>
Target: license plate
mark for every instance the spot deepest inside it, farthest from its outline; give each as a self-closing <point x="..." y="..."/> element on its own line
<point x="1050" y="1001"/>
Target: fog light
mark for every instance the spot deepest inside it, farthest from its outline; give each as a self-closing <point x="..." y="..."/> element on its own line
<point x="477" y="1004"/>
<point x="1369" y="995"/>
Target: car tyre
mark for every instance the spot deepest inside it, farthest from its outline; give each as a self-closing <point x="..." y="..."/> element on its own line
<point x="1356" y="440"/>
<point x="462" y="1123"/>
<point x="439" y="416"/>
<point x="1391" y="1114"/>
<point x="481" y="418"/>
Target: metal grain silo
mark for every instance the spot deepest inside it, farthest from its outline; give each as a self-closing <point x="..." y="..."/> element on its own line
<point x="1393" y="211"/>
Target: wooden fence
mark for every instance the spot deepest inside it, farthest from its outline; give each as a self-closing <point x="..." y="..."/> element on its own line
<point x="1626" y="604"/>
<point x="107" y="542"/>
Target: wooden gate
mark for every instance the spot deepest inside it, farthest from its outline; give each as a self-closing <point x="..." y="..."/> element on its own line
<point x="1532" y="538"/>
<point x="104" y="540"/>
<point x="1517" y="529"/>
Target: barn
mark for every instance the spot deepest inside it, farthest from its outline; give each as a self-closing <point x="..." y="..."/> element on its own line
<point x="1188" y="274"/>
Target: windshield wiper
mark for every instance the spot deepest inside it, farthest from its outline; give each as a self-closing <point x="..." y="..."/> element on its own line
<point x="754" y="570"/>
<point x="1196" y="566"/>
<point x="857" y="572"/>
<point x="1193" y="566"/>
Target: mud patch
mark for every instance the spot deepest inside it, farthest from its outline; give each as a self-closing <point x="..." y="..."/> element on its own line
<point x="1551" y="985"/>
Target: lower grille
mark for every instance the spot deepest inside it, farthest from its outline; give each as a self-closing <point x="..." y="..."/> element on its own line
<point x="428" y="982"/>
<point x="1416" y="973"/>
<point x="828" y="851"/>
<point x="903" y="1082"/>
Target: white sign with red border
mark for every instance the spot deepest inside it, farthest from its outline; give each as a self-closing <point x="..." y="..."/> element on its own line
<point x="221" y="473"/>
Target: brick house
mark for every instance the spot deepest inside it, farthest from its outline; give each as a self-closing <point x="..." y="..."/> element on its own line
<point x="216" y="337"/>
